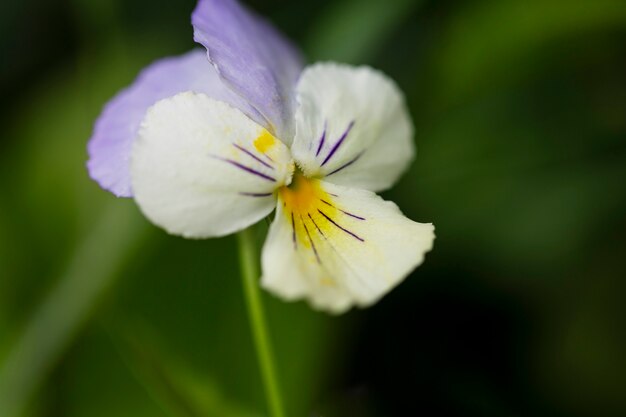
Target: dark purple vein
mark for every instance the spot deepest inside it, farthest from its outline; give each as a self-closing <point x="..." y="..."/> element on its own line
<point x="306" y="229"/>
<point x="293" y="232"/>
<point x="352" y="215"/>
<point x="245" y="168"/>
<point x="316" y="226"/>
<point x="342" y="228"/>
<point x="256" y="194"/>
<point x="322" y="139"/>
<point x="343" y="211"/>
<point x="250" y="154"/>
<point x="338" y="144"/>
<point x="347" y="164"/>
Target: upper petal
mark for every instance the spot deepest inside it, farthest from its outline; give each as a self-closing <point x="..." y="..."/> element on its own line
<point x="117" y="127"/>
<point x="252" y="57"/>
<point x="352" y="127"/>
<point x="339" y="247"/>
<point x="201" y="168"/>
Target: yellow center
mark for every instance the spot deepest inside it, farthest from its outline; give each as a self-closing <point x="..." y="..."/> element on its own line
<point x="308" y="207"/>
<point x="315" y="220"/>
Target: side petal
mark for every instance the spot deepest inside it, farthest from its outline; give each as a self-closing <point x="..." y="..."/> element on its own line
<point x="201" y="168"/>
<point x="253" y="58"/>
<point x="117" y="127"/>
<point x="352" y="127"/>
<point x="338" y="246"/>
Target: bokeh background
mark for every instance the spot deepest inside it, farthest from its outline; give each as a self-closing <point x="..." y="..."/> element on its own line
<point x="520" y="114"/>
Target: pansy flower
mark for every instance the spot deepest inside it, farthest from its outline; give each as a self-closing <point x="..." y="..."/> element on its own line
<point x="211" y="142"/>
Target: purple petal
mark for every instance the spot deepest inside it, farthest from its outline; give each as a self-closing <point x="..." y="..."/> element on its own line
<point x="253" y="58"/>
<point x="116" y="128"/>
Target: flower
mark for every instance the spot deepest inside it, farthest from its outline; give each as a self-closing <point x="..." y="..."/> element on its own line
<point x="208" y="143"/>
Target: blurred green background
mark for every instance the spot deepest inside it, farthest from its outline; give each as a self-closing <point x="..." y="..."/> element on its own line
<point x="520" y="114"/>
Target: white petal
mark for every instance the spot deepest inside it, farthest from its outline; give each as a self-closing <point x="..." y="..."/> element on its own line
<point x="352" y="127"/>
<point x="201" y="168"/>
<point x="338" y="246"/>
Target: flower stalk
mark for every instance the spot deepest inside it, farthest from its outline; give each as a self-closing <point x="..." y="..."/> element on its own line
<point x="248" y="256"/>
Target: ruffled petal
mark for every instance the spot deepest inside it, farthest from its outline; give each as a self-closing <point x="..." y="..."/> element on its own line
<point x="201" y="168"/>
<point x="253" y="58"/>
<point x="117" y="127"/>
<point x="338" y="247"/>
<point x="352" y="127"/>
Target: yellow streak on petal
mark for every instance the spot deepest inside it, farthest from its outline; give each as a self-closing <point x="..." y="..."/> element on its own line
<point x="328" y="282"/>
<point x="264" y="141"/>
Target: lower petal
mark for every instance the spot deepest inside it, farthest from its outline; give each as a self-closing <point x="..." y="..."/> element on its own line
<point x="339" y="247"/>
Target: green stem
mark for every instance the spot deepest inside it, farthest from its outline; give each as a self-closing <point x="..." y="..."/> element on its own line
<point x="248" y="256"/>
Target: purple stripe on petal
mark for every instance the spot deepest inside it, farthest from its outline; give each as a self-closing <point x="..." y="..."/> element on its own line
<point x="347" y="164"/>
<point x="293" y="232"/>
<point x="246" y="169"/>
<point x="352" y="215"/>
<point x="316" y="226"/>
<point x="338" y="144"/>
<point x="306" y="229"/>
<point x="250" y="154"/>
<point x="322" y="139"/>
<point x="342" y="228"/>
<point x="343" y="211"/>
<point x="256" y="194"/>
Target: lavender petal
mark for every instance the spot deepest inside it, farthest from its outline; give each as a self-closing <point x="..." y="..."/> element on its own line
<point x="117" y="126"/>
<point x="253" y="58"/>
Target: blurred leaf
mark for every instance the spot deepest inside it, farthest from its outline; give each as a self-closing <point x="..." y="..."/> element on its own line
<point x="492" y="42"/>
<point x="68" y="306"/>
<point x="6" y="254"/>
<point x="61" y="225"/>
<point x="352" y="31"/>
<point x="189" y="292"/>
<point x="179" y="389"/>
<point x="580" y="357"/>
<point x="505" y="187"/>
<point x="53" y="202"/>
